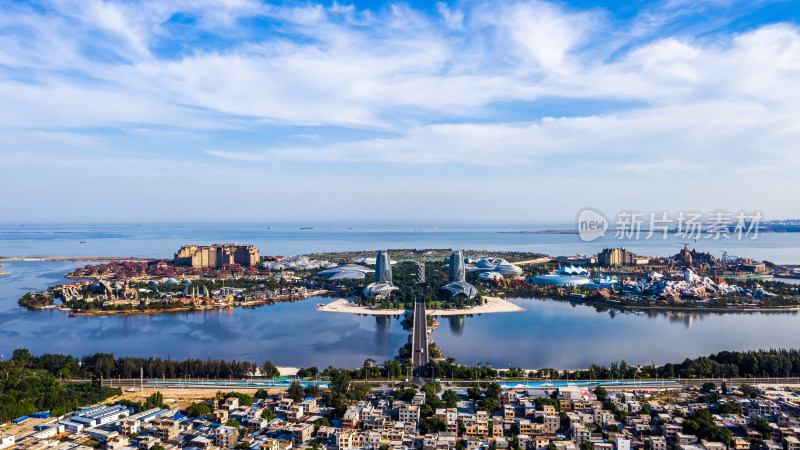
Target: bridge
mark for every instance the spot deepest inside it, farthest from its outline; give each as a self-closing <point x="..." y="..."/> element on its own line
<point x="419" y="342"/>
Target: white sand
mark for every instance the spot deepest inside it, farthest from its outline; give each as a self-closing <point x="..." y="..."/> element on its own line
<point x="492" y="305"/>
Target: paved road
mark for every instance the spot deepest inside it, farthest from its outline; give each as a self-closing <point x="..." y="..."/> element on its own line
<point x="419" y="341"/>
<point x="195" y="384"/>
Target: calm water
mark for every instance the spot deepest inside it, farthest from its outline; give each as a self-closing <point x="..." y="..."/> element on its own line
<point x="546" y="334"/>
<point x="162" y="240"/>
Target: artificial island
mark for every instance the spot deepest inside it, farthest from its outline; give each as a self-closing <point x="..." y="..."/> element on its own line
<point x="390" y="282"/>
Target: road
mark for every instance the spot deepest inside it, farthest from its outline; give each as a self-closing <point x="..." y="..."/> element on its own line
<point x="419" y="342"/>
<point x="248" y="386"/>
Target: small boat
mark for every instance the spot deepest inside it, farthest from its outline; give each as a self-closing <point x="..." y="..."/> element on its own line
<point x="83" y="242"/>
<point x="306" y="228"/>
<point x="319" y="305"/>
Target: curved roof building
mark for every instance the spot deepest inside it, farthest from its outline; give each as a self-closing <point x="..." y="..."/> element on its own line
<point x="347" y="271"/>
<point x="558" y="280"/>
<point x="457" y="284"/>
<point x="383" y="277"/>
<point x="498" y="265"/>
<point x="485" y="276"/>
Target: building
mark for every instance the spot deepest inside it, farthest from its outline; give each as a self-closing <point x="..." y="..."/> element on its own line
<point x="408" y="413"/>
<point x="577" y="260"/>
<point x="791" y="443"/>
<point x="217" y="255"/>
<point x="620" y="257"/>
<point x="225" y="436"/>
<point x="383" y="277"/>
<point x="6" y="441"/>
<point x="302" y="433"/>
<point x="456" y="280"/>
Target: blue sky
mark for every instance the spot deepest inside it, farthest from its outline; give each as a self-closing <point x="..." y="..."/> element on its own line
<point x="502" y="111"/>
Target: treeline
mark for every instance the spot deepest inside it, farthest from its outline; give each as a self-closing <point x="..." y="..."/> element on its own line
<point x="26" y="389"/>
<point x="728" y="364"/>
<point x="108" y="366"/>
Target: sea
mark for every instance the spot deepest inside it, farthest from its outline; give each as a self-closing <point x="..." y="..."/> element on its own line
<point x="548" y="333"/>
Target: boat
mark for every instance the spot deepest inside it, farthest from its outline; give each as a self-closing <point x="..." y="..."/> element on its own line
<point x="319" y="305"/>
<point x="83" y="242"/>
<point x="306" y="228"/>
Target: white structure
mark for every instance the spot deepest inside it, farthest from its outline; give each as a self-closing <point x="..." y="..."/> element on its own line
<point x="6" y="441"/>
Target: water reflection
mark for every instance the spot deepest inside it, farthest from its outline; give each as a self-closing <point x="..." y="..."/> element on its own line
<point x="456" y="324"/>
<point x="548" y="333"/>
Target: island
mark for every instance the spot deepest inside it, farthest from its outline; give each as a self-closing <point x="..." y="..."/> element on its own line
<point x="450" y="282"/>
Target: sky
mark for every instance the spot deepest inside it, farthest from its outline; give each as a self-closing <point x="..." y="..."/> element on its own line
<point x="495" y="111"/>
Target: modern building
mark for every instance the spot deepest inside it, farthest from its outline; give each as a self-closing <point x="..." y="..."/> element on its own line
<point x="383" y="277"/>
<point x="217" y="255"/>
<point x="558" y="280"/>
<point x="347" y="271"/>
<point x="495" y="265"/>
<point x="457" y="284"/>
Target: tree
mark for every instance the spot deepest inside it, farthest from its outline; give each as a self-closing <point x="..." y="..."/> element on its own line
<point x="748" y="391"/>
<point x="431" y="425"/>
<point x="261" y="393"/>
<point x="493" y="391"/>
<point x="233" y="423"/>
<point x="269" y="370"/>
<point x="730" y="408"/>
<point x="474" y="393"/>
<point x="432" y="388"/>
<point x="267" y="414"/>
<point x="312" y="390"/>
<point x="489" y="405"/>
<point x="761" y="425"/>
<point x="323" y="422"/>
<point x="295" y="391"/>
<point x="708" y="387"/>
<point x="198" y="410"/>
<point x="601" y="393"/>
<point x="450" y="398"/>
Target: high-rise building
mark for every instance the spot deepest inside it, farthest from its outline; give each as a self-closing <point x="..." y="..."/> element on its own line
<point x="457" y="284"/>
<point x="217" y="255"/>
<point x="420" y="272"/>
<point x="383" y="277"/>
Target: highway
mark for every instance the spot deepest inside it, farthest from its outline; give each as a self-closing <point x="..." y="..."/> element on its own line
<point x="419" y="342"/>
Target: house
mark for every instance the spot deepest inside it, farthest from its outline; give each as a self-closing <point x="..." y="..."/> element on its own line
<point x="225" y="436"/>
<point x="791" y="443"/>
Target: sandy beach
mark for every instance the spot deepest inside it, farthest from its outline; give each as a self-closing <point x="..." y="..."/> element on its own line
<point x="492" y="305"/>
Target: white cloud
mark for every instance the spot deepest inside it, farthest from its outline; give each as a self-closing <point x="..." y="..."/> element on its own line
<point x="435" y="87"/>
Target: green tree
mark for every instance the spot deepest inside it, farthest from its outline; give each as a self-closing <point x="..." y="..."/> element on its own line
<point x="267" y="414"/>
<point x="431" y="425"/>
<point x="450" y="398"/>
<point x="233" y="423"/>
<point x="295" y="391"/>
<point x="601" y="393"/>
<point x="198" y="410"/>
<point x="762" y="426"/>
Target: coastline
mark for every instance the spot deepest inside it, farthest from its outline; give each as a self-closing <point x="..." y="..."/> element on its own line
<point x="492" y="305"/>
